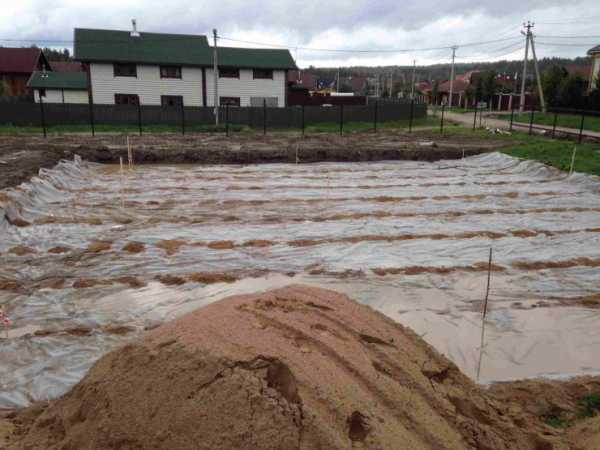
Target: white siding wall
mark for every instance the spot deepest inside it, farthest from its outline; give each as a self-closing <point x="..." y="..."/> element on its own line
<point x="595" y="70"/>
<point x="52" y="96"/>
<point x="246" y="87"/>
<point x="148" y="85"/>
<point x="56" y="96"/>
<point x="72" y="96"/>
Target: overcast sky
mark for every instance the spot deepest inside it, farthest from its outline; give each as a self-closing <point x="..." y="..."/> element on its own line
<point x="337" y="24"/>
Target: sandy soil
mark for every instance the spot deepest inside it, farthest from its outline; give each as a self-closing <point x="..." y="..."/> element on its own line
<point x="297" y="367"/>
<point x="22" y="156"/>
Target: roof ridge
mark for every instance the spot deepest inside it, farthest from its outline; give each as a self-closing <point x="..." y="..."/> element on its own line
<point x="143" y="32"/>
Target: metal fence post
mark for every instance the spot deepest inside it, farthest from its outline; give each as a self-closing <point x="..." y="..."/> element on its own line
<point x="531" y="121"/>
<point x="475" y="118"/>
<point x="375" y="116"/>
<point x="43" y="115"/>
<point x="554" y="124"/>
<point x="91" y="107"/>
<point x="341" y="119"/>
<point x="581" y="126"/>
<point x="264" y="117"/>
<point x="302" y="120"/>
<point x="139" y="116"/>
<point x="182" y="118"/>
<point x="227" y="120"/>
<point x="410" y="120"/>
<point x="512" y="114"/>
<point x="442" y="121"/>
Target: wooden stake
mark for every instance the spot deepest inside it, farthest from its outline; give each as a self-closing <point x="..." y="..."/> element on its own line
<point x="573" y="160"/>
<point x="129" y="153"/>
<point x="485" y="304"/>
<point x="122" y="186"/>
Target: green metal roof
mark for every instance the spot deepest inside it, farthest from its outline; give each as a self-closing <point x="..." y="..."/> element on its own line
<point x="181" y="49"/>
<point x="58" y="80"/>
<point x="255" y="58"/>
<point x="148" y="48"/>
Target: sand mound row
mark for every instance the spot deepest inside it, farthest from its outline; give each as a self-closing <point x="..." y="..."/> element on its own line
<point x="293" y="368"/>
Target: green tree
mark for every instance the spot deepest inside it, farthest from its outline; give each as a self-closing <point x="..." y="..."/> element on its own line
<point x="594" y="97"/>
<point x="552" y="78"/>
<point x="489" y="85"/>
<point x="435" y="91"/>
<point x="479" y="89"/>
<point x="2" y="88"/>
<point x="469" y="94"/>
<point x="570" y="92"/>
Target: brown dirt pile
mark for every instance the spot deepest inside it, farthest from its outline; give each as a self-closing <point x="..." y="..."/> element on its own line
<point x="133" y="247"/>
<point x="98" y="246"/>
<point x="170" y="246"/>
<point x="21" y="250"/>
<point x="293" y="368"/>
<point x="560" y="401"/>
<point x="59" y="249"/>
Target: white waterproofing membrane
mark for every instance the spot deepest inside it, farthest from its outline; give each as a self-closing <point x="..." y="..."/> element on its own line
<point x="410" y="239"/>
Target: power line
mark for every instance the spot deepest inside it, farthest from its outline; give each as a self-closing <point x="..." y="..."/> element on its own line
<point x="567" y="37"/>
<point x="562" y="44"/>
<point x="404" y="50"/>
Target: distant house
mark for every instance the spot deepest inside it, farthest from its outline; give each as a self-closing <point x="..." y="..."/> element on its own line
<point x="174" y="69"/>
<point x="459" y="88"/>
<point x="302" y="78"/>
<point x="59" y="87"/>
<point x="66" y="66"/>
<point x="594" y="53"/>
<point x="16" y="67"/>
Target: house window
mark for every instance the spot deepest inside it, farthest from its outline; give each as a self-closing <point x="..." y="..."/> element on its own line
<point x="262" y="74"/>
<point x="229" y="72"/>
<point x="231" y="101"/>
<point x="126" y="99"/>
<point x="124" y="70"/>
<point x="260" y="101"/>
<point x="170" y="71"/>
<point x="171" y="100"/>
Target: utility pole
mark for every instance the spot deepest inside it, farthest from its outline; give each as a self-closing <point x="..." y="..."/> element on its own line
<point x="412" y="87"/>
<point x="216" y="78"/>
<point x="337" y="88"/>
<point x="527" y="25"/>
<point x="454" y="47"/>
<point x="537" y="73"/>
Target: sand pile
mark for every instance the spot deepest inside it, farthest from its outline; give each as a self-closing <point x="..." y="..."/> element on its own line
<point x="293" y="368"/>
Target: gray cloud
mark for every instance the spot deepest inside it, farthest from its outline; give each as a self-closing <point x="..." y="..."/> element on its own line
<point x="382" y="24"/>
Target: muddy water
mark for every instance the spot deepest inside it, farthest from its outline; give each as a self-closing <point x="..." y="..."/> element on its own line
<point x="91" y="257"/>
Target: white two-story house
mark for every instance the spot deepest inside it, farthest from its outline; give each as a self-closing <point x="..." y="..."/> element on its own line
<point x="172" y="70"/>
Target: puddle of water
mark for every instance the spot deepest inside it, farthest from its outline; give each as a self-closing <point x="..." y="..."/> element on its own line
<point x="189" y="224"/>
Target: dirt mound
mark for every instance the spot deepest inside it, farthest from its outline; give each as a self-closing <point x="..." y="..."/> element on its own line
<point x="297" y="367"/>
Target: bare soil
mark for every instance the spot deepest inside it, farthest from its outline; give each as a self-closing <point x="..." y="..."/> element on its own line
<point x="21" y="156"/>
<point x="297" y="367"/>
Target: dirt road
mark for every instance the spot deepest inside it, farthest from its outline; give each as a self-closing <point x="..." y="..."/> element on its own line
<point x="487" y="121"/>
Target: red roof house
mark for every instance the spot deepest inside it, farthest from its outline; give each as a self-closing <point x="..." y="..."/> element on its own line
<point x="17" y="65"/>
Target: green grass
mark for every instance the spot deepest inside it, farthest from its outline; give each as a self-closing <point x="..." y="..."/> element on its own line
<point x="329" y="127"/>
<point x="332" y="127"/>
<point x="587" y="406"/>
<point x="554" y="152"/>
<point x="101" y="128"/>
<point x="556" y="420"/>
<point x="591" y="123"/>
<point x="590" y="404"/>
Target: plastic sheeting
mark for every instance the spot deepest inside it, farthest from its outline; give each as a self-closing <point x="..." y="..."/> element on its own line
<point x="326" y="224"/>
